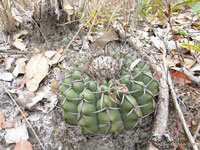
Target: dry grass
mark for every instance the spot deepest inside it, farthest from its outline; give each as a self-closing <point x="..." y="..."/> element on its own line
<point x="7" y="22"/>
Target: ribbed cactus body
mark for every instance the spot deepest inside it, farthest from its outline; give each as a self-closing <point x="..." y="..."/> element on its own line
<point x="101" y="103"/>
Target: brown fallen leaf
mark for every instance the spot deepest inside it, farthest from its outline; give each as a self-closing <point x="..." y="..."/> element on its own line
<point x="67" y="7"/>
<point x="8" y="62"/>
<point x="180" y="148"/>
<point x="23" y="145"/>
<point x="2" y="119"/>
<point x="6" y="76"/>
<point x="19" y="34"/>
<point x="105" y="39"/>
<point x="36" y="70"/>
<point x="55" y="58"/>
<point x="7" y="124"/>
<point x="59" y="49"/>
<point x="177" y="77"/>
<point x="175" y="37"/>
<point x="19" y="44"/>
<point x="170" y="62"/>
<point x="20" y="67"/>
<point x="173" y="51"/>
<point x="36" y="50"/>
<point x="188" y="63"/>
<point x="26" y="114"/>
<point x="49" y="54"/>
<point x="54" y="85"/>
<point x="21" y="84"/>
<point x="31" y="101"/>
<point x="17" y="133"/>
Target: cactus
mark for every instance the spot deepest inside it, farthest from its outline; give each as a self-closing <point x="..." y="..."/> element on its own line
<point x="108" y="93"/>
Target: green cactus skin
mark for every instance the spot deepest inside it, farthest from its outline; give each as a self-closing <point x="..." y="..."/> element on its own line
<point x="89" y="104"/>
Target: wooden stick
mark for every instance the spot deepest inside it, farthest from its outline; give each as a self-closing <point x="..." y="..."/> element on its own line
<point x="175" y="100"/>
<point x="174" y="97"/>
<point x="197" y="130"/>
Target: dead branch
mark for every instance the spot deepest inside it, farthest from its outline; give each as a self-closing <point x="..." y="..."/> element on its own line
<point x="180" y="114"/>
<point x="175" y="101"/>
<point x="197" y="130"/>
<point x="160" y="123"/>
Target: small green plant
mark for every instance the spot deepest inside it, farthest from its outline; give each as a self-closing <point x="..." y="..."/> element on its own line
<point x="165" y="10"/>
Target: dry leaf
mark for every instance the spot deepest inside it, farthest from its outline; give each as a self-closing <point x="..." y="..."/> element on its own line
<point x="180" y="148"/>
<point x="194" y="123"/>
<point x="6" y="76"/>
<point x="196" y="67"/>
<point x="171" y="62"/>
<point x="36" y="50"/>
<point x="187" y="17"/>
<point x="172" y="45"/>
<point x="36" y="70"/>
<point x="19" y="44"/>
<point x="1" y="57"/>
<point x="54" y="85"/>
<point x="8" y="62"/>
<point x="134" y="63"/>
<point x="7" y="124"/>
<point x="175" y="37"/>
<point x="29" y="99"/>
<point x="20" y="67"/>
<point x="157" y="42"/>
<point x="56" y="59"/>
<point x="50" y="100"/>
<point x="111" y="92"/>
<point x="21" y="85"/>
<point x="18" y="18"/>
<point x="67" y="7"/>
<point x="112" y="95"/>
<point x="14" y="135"/>
<point x="59" y="49"/>
<point x="177" y="77"/>
<point x="23" y="32"/>
<point x="49" y="54"/>
<point x="105" y="39"/>
<point x="23" y="145"/>
<point x="26" y="114"/>
<point x="188" y="63"/>
<point x="2" y="119"/>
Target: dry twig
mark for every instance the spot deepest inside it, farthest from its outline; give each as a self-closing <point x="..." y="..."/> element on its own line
<point x="197" y="130"/>
<point x="174" y="97"/>
<point x="180" y="114"/>
<point x="175" y="100"/>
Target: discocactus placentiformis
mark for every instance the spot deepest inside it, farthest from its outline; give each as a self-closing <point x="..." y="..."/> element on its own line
<point x="108" y="93"/>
